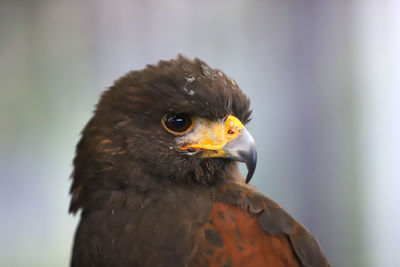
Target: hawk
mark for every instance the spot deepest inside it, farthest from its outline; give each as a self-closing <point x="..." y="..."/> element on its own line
<point x="156" y="178"/>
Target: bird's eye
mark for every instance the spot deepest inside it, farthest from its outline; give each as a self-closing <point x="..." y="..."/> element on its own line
<point x="177" y="123"/>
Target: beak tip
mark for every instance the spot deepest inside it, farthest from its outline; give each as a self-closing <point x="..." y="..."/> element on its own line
<point x="251" y="166"/>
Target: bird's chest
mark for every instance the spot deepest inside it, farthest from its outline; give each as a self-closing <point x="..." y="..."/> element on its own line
<point x="197" y="231"/>
<point x="176" y="228"/>
<point x="163" y="229"/>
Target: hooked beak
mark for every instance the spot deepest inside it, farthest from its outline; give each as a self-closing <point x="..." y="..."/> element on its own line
<point x="228" y="140"/>
<point x="243" y="148"/>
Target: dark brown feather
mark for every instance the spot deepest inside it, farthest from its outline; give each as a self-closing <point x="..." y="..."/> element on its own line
<point x="145" y="204"/>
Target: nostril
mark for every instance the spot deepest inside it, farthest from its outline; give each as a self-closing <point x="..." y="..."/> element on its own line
<point x="191" y="149"/>
<point x="230" y="131"/>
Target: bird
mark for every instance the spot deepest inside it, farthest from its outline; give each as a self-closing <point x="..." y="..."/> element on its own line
<point x="156" y="179"/>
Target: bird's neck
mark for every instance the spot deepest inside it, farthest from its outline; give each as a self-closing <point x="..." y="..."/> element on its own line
<point x="94" y="189"/>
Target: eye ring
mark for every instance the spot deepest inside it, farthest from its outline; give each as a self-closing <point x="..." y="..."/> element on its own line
<point x="177" y="123"/>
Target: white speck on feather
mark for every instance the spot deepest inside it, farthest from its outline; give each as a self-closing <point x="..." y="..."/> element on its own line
<point x="188" y="91"/>
<point x="190" y="78"/>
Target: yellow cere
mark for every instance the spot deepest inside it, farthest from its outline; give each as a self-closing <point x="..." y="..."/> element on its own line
<point x="233" y="126"/>
<point x="215" y="135"/>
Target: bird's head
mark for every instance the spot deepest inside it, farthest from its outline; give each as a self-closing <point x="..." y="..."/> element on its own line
<point x="179" y="120"/>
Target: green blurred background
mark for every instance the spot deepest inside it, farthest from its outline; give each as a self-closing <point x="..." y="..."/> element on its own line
<point x="323" y="77"/>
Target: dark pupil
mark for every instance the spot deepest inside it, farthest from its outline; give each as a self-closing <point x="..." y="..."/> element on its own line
<point x="178" y="122"/>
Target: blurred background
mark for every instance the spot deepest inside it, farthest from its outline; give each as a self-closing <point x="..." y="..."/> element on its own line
<point x="323" y="77"/>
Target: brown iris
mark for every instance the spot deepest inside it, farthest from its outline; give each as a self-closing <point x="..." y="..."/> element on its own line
<point x="177" y="123"/>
